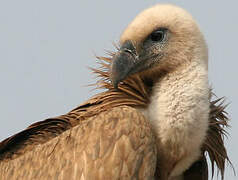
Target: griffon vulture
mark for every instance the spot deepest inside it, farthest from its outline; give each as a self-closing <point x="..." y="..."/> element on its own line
<point x="155" y="119"/>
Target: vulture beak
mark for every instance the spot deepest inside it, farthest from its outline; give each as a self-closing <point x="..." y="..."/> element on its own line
<point x="124" y="63"/>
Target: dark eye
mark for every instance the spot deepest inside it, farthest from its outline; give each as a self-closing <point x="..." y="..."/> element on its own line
<point x="157" y="36"/>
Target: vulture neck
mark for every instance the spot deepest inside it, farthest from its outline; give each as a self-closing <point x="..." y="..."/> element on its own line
<point x="178" y="111"/>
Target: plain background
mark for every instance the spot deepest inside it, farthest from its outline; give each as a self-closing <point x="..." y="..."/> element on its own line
<point x="46" y="47"/>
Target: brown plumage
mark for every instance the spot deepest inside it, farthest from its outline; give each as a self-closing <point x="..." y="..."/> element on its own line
<point x="111" y="145"/>
<point x="108" y="137"/>
<point x="133" y="92"/>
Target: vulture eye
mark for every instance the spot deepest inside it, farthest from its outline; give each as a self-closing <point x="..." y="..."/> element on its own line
<point x="158" y="35"/>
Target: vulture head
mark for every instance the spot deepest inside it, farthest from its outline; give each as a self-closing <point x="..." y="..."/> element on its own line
<point x="160" y="39"/>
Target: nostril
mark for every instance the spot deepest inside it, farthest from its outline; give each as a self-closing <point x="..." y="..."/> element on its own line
<point x="128" y="51"/>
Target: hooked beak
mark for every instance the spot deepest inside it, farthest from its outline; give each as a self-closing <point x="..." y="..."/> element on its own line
<point x="124" y="63"/>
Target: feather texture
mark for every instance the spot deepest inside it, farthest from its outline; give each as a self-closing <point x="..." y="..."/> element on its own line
<point x="117" y="144"/>
<point x="133" y="92"/>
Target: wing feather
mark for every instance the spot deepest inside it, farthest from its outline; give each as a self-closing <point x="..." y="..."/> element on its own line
<point x="115" y="144"/>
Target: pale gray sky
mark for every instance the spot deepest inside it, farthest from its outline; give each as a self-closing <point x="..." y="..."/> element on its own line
<point x="47" y="45"/>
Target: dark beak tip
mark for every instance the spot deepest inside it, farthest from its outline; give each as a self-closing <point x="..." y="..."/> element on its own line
<point x="115" y="83"/>
<point x="115" y="86"/>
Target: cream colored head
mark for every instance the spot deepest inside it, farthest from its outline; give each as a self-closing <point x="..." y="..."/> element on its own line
<point x="181" y="41"/>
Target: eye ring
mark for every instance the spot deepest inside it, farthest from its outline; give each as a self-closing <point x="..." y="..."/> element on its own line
<point x="158" y="35"/>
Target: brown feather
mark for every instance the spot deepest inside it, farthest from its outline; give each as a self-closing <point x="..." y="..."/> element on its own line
<point x="134" y="92"/>
<point x="122" y="147"/>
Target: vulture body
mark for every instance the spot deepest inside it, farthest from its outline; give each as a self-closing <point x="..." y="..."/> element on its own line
<point x="155" y="120"/>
